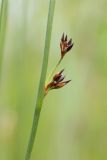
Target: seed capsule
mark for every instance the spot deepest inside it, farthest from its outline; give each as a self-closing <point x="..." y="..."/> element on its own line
<point x="57" y="82"/>
<point x="65" y="45"/>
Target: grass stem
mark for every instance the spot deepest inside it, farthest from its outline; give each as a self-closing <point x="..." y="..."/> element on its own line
<point x="3" y="24"/>
<point x="40" y="95"/>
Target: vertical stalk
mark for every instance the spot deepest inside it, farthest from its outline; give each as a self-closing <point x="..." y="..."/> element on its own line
<point x="40" y="95"/>
<point x="3" y="20"/>
<point x="53" y="71"/>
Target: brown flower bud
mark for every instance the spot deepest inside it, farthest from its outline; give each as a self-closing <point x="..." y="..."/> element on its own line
<point x="65" y="45"/>
<point x="59" y="76"/>
<point x="57" y="82"/>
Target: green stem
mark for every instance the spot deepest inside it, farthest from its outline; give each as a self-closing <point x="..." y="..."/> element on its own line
<point x="53" y="71"/>
<point x="3" y="20"/>
<point x="40" y="95"/>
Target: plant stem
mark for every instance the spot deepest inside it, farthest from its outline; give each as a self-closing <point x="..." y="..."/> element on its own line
<point x="40" y="95"/>
<point x="3" y="20"/>
<point x="53" y="71"/>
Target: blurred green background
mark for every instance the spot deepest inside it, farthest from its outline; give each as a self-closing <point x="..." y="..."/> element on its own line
<point x="73" y="122"/>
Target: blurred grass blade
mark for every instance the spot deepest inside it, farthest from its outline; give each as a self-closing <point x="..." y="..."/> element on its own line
<point x="3" y="20"/>
<point x="40" y="95"/>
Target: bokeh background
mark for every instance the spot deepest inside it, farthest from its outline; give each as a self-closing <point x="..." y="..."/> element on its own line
<point x="73" y="122"/>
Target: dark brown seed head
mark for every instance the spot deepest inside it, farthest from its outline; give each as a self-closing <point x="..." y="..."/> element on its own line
<point x="60" y="84"/>
<point x="57" y="82"/>
<point x="65" y="45"/>
<point x="59" y="76"/>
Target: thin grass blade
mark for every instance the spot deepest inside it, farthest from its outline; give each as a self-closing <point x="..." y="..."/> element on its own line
<point x="40" y="95"/>
<point x="3" y="24"/>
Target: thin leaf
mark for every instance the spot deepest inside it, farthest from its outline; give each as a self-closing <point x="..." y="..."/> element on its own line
<point x="40" y="95"/>
<point x="3" y="24"/>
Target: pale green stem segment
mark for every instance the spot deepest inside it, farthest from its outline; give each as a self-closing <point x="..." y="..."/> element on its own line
<point x="40" y="95"/>
<point x="3" y="24"/>
<point x="53" y="72"/>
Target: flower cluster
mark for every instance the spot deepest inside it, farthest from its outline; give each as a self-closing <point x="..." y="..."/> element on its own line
<point x="65" y="45"/>
<point x="58" y="79"/>
<point x="57" y="82"/>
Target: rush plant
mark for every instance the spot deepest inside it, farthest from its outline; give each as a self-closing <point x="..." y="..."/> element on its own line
<point x="55" y="80"/>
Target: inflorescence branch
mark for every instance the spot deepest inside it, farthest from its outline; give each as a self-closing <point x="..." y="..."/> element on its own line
<point x="57" y="79"/>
